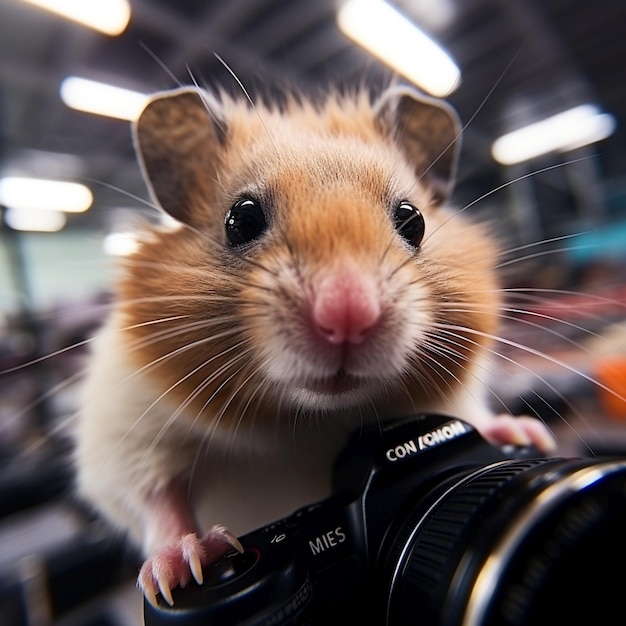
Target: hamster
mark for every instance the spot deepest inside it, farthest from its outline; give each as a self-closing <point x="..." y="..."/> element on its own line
<point x="318" y="279"/>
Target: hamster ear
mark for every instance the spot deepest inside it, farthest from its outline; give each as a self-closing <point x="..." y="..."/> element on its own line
<point x="178" y="137"/>
<point x="428" y="131"/>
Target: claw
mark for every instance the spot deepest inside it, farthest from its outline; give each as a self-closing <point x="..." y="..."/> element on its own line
<point x="165" y="590"/>
<point x="176" y="564"/>
<point x="146" y="584"/>
<point x="195" y="566"/>
<point x="149" y="593"/>
<point x="193" y="553"/>
<point x="228" y="537"/>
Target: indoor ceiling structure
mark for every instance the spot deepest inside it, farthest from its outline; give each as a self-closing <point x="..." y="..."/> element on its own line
<point x="520" y="61"/>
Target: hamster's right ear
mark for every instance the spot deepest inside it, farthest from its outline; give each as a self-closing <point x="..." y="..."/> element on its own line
<point x="178" y="139"/>
<point x="428" y="131"/>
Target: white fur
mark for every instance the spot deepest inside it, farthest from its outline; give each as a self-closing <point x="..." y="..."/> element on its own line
<point x="128" y="447"/>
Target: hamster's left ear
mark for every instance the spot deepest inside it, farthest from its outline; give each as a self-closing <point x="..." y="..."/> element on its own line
<point x="179" y="139"/>
<point x="429" y="133"/>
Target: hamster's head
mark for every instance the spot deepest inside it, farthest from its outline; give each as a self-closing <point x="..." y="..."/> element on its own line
<point x="317" y="266"/>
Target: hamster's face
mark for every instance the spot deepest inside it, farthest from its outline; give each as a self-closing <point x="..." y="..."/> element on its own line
<point x="317" y="267"/>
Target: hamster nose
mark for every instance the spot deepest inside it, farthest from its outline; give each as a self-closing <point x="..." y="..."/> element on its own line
<point x="345" y="307"/>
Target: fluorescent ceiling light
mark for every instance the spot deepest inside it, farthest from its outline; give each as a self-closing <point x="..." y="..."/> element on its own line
<point x="565" y="131"/>
<point x="35" y="220"/>
<point x="107" y="16"/>
<point x="388" y="35"/>
<point x="102" y="99"/>
<point x="434" y="15"/>
<point x="46" y="195"/>
<point x="120" y="244"/>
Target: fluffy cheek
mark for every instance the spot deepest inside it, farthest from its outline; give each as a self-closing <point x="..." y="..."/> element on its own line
<point x="314" y="365"/>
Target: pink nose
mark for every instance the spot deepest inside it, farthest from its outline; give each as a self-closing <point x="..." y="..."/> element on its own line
<point x="346" y="306"/>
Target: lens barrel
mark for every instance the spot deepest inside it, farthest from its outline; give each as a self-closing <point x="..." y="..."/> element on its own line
<point x="429" y="524"/>
<point x="513" y="544"/>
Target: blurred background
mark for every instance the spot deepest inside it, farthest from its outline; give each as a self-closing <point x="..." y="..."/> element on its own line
<point x="540" y="86"/>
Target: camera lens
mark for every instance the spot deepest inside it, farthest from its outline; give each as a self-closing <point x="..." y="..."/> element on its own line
<point x="513" y="544"/>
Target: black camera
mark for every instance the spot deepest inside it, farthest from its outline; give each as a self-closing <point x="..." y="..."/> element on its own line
<point x="430" y="524"/>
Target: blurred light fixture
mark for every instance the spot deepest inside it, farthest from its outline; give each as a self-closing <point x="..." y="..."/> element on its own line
<point x="102" y="99"/>
<point x="37" y="220"/>
<point x="45" y="195"/>
<point x="388" y="35"/>
<point x="106" y="16"/>
<point x="434" y="15"/>
<point x="120" y="244"/>
<point x="577" y="127"/>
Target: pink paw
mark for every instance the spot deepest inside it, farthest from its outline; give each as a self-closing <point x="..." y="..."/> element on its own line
<point x="519" y="431"/>
<point x="175" y="564"/>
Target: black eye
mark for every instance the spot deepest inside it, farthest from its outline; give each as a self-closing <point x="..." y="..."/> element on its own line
<point x="244" y="222"/>
<point x="409" y="222"/>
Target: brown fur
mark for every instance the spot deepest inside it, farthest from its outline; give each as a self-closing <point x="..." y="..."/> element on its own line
<point x="330" y="174"/>
<point x="215" y="392"/>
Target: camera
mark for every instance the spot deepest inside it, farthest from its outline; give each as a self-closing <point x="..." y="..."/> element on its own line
<point x="430" y="524"/>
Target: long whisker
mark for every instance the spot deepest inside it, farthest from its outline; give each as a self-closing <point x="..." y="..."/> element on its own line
<point x="79" y="344"/>
<point x="534" y="352"/>
<point x="540" y="254"/>
<point x="153" y="364"/>
<point x="181" y="349"/>
<point x="503" y="314"/>
<point x="450" y="329"/>
<point x="528" y="292"/>
<point x="217" y="419"/>
<point x="266" y="389"/>
<point x="124" y="192"/>
<point x="184" y="405"/>
<point x="535" y="244"/>
<point x="479" y="108"/>
<point x="243" y="385"/>
<point x="161" y="64"/>
<point x="46" y="357"/>
<point x="49" y="393"/>
<point x="443" y="347"/>
<point x="547" y="294"/>
<point x="211" y="379"/>
<point x="248" y="97"/>
<point x="504" y="186"/>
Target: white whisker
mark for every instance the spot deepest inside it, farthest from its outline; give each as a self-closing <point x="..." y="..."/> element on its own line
<point x="158" y="361"/>
<point x="504" y="186"/>
<point x="542" y="253"/>
<point x="543" y="242"/>
<point x="503" y="314"/>
<point x="161" y="64"/>
<point x="441" y="345"/>
<point x="454" y="329"/>
<point x="191" y="397"/>
<point x="479" y="108"/>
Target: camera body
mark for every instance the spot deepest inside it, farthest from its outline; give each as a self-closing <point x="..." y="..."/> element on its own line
<point x="418" y="512"/>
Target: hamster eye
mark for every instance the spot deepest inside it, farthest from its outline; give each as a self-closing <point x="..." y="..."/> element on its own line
<point x="244" y="222"/>
<point x="409" y="222"/>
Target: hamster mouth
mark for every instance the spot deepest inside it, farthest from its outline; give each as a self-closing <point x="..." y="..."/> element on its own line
<point x="340" y="383"/>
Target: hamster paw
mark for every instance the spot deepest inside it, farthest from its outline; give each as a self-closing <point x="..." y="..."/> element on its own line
<point x="175" y="564"/>
<point x="519" y="431"/>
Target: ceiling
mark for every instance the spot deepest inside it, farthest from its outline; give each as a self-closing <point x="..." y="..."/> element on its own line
<point x="520" y="60"/>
